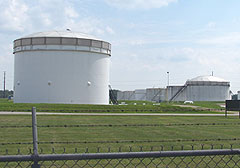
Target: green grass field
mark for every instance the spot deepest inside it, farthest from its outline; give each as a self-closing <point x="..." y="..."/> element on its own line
<point x="169" y="134"/>
<point x="211" y="105"/>
<point x="95" y="134"/>
<point x="6" y="105"/>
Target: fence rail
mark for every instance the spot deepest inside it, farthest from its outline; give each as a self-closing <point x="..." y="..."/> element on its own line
<point x="119" y="155"/>
<point x="133" y="159"/>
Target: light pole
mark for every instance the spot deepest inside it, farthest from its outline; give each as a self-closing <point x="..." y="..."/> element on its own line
<point x="167" y="84"/>
<point x="4" y="84"/>
<point x="168" y="79"/>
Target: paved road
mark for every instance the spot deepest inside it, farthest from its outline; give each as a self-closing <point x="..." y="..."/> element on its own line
<point x="113" y="114"/>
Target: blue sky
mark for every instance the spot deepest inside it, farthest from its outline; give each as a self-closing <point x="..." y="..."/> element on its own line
<point x="188" y="38"/>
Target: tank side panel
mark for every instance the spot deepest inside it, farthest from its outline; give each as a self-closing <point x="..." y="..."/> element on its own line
<point x="208" y="92"/>
<point x="61" y="77"/>
<point x="140" y="94"/>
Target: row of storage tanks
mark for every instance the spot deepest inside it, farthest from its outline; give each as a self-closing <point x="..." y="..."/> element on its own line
<point x="202" y="88"/>
<point x="73" y="68"/>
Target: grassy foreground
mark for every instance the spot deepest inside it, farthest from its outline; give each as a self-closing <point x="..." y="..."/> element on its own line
<point x="148" y="107"/>
<point x="173" y="135"/>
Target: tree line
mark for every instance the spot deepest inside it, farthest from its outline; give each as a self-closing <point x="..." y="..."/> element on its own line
<point x="7" y="93"/>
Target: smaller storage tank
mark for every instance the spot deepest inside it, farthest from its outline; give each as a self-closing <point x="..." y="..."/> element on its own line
<point x="201" y="88"/>
<point x="125" y="95"/>
<point x="156" y="94"/>
<point x="140" y="94"/>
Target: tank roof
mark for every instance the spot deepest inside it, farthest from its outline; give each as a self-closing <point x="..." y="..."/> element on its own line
<point x="207" y="79"/>
<point x="67" y="34"/>
<point x="61" y="40"/>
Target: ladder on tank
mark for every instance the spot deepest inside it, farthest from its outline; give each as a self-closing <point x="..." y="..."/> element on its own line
<point x="178" y="92"/>
<point x="113" y="97"/>
<point x="157" y="94"/>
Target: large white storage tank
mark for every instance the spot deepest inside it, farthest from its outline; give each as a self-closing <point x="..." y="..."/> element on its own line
<point x="61" y="67"/>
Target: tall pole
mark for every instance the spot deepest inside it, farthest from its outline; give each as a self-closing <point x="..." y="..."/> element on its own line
<point x="167" y="84"/>
<point x="168" y="79"/>
<point x="4" y="84"/>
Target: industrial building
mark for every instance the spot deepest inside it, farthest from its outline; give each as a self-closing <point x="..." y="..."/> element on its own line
<point x="61" y="67"/>
<point x="201" y="88"/>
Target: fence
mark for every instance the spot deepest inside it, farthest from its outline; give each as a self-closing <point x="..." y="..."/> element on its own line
<point x="168" y="159"/>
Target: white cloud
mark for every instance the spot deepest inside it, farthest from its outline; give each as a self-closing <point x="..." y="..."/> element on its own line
<point x="137" y="42"/>
<point x="13" y="15"/>
<point x="31" y="16"/>
<point x="110" y="30"/>
<point x="227" y="39"/>
<point x="87" y="25"/>
<point x="45" y="19"/>
<point x="70" y="12"/>
<point x="211" y="25"/>
<point x="139" y="4"/>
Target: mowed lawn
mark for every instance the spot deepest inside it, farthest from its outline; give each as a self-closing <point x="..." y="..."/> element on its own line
<point x="170" y="129"/>
<point x="132" y="107"/>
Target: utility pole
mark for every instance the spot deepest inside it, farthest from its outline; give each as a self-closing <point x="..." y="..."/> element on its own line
<point x="4" y="84"/>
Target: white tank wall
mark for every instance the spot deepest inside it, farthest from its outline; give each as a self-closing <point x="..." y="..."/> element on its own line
<point x="156" y="94"/>
<point x="140" y="94"/>
<point x="207" y="93"/>
<point x="125" y="95"/>
<point x="201" y="93"/>
<point x="67" y="72"/>
<point x="172" y="90"/>
<point x="238" y="95"/>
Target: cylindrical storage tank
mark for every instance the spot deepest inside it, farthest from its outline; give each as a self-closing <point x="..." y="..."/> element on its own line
<point x="140" y="94"/>
<point x="61" y="67"/>
<point x="207" y="88"/>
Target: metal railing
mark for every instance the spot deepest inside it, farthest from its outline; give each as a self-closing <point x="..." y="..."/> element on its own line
<point x="202" y="158"/>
